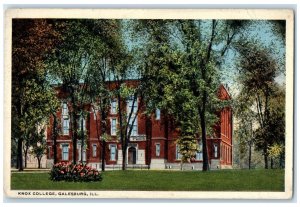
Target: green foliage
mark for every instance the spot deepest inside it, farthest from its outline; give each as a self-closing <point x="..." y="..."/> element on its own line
<point x="39" y="144"/>
<point x="261" y="98"/>
<point x="33" y="100"/>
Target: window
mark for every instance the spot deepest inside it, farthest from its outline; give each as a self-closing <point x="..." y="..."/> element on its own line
<point x="178" y="154"/>
<point x="113" y="127"/>
<point x="49" y="152"/>
<point x="83" y="154"/>
<point x="199" y="154"/>
<point x="113" y="150"/>
<point x="65" y="119"/>
<point x="81" y="123"/>
<point x="94" y="150"/>
<point x="66" y="124"/>
<point x="157" y="114"/>
<point x="215" y="150"/>
<point x="157" y="150"/>
<point x="113" y="107"/>
<point x="132" y="105"/>
<point x="132" y="123"/>
<point x="65" y="152"/>
<point x="65" y="112"/>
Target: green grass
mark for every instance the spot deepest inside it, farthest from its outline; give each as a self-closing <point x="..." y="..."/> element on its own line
<point x="221" y="180"/>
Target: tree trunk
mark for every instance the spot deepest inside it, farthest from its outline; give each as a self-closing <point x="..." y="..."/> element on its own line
<point x="103" y="155"/>
<point x="54" y="134"/>
<point x="266" y="158"/>
<point x="103" y="131"/>
<point x="25" y="155"/>
<point x="204" y="144"/>
<point x="39" y="162"/>
<point x="82" y="140"/>
<point x="20" y="154"/>
<point x="74" y="129"/>
<point x="166" y="123"/>
<point x="124" y="157"/>
<point x="250" y="156"/>
<point x="148" y="140"/>
<point x="272" y="163"/>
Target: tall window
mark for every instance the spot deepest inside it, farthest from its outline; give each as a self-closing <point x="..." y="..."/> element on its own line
<point x="113" y="126"/>
<point x="113" y="107"/>
<point x="49" y="152"/>
<point x="157" y="114"/>
<point x="113" y="152"/>
<point x="215" y="150"/>
<point x="65" y="111"/>
<point x="81" y="123"/>
<point x="65" y="119"/>
<point x="199" y="154"/>
<point x="132" y="104"/>
<point x="157" y="149"/>
<point x="83" y="154"/>
<point x="178" y="154"/>
<point x="94" y="150"/>
<point x="65" y="152"/>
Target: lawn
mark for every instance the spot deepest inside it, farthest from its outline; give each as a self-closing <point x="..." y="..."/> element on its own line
<point x="221" y="180"/>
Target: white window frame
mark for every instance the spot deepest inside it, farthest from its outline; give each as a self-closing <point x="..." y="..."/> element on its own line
<point x="65" y="154"/>
<point x="113" y="128"/>
<point x="157" y="114"/>
<point x="215" y="150"/>
<point x="79" y="153"/>
<point x="79" y="121"/>
<point x="113" y="106"/>
<point x="49" y="152"/>
<point x="94" y="147"/>
<point x="157" y="149"/>
<point x="178" y="154"/>
<point x="129" y="105"/>
<point x="130" y="100"/>
<point x="113" y="157"/>
<point x="199" y="154"/>
<point x="65" y="110"/>
<point x="65" y="119"/>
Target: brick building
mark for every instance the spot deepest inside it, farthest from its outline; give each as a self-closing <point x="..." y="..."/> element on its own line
<point x="152" y="143"/>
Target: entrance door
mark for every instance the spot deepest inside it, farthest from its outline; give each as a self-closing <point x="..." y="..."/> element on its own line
<point x="132" y="155"/>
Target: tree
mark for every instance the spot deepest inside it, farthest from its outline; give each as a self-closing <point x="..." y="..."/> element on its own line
<point x="31" y="41"/>
<point x="39" y="145"/>
<point x="68" y="68"/>
<point x="258" y="70"/>
<point x="106" y="37"/>
<point x="200" y="40"/>
<point x="183" y="56"/>
<point x="245" y="130"/>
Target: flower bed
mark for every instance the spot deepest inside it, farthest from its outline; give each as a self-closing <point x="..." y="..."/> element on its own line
<point x="77" y="173"/>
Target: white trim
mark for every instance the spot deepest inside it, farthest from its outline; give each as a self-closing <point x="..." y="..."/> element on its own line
<point x="157" y="149"/>
<point x="111" y="126"/>
<point x="114" y="100"/>
<point x="110" y="154"/>
<point x="94" y="151"/>
<point x="62" y="151"/>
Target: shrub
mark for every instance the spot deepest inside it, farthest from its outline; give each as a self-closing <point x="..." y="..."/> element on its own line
<point x="77" y="173"/>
